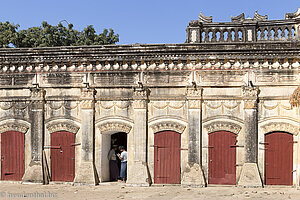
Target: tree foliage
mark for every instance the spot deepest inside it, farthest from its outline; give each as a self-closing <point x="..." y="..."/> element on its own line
<point x="50" y="36"/>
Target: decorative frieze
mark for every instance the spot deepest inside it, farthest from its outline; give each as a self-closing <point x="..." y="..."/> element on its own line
<point x="164" y="126"/>
<point x="13" y="127"/>
<point x="114" y="126"/>
<point x="63" y="75"/>
<point x="280" y="126"/>
<point x="223" y="126"/>
<point x="52" y="128"/>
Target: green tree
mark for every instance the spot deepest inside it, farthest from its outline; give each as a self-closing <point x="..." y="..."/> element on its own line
<point x="50" y="36"/>
<point x="8" y="34"/>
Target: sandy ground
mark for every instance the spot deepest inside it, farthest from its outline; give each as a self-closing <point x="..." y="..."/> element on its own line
<point x="121" y="191"/>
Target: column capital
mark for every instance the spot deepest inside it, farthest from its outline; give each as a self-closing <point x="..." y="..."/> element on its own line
<point x="37" y="94"/>
<point x="250" y="96"/>
<point x="250" y="92"/>
<point x="87" y="97"/>
<point x="140" y="98"/>
<point x="194" y="96"/>
<point x="88" y="93"/>
<point x="140" y="93"/>
<point x="194" y="93"/>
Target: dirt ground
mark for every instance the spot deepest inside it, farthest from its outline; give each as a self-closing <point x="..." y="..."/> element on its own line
<point x="121" y="191"/>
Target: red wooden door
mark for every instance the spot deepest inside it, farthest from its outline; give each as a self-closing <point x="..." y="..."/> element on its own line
<point x="278" y="158"/>
<point x="167" y="157"/>
<point x="12" y="155"/>
<point x="222" y="158"/>
<point x="62" y="156"/>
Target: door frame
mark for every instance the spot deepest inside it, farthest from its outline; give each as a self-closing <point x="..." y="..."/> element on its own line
<point x="156" y="150"/>
<point x="103" y="134"/>
<point x="266" y="146"/>
<point x="222" y="124"/>
<point x="62" y="125"/>
<point x="228" y="134"/>
<point x="19" y="126"/>
<point x="282" y="126"/>
<point x="168" y="124"/>
<point x="51" y="149"/>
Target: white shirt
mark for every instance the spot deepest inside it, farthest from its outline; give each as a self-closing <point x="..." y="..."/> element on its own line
<point x="123" y="156"/>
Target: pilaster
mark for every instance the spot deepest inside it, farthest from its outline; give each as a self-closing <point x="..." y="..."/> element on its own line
<point x="87" y="173"/>
<point x="193" y="174"/>
<point x="34" y="172"/>
<point x="250" y="176"/>
<point x="138" y="171"/>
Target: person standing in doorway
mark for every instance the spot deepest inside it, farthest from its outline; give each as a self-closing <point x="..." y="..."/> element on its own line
<point x="123" y="158"/>
<point x="113" y="163"/>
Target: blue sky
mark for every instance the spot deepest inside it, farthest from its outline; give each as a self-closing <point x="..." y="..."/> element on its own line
<point x="137" y="21"/>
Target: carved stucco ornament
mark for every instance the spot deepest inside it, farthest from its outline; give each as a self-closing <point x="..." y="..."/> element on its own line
<point x="239" y="18"/>
<point x="223" y="126"/>
<point x="194" y="96"/>
<point x="250" y="96"/>
<point x="295" y="98"/>
<point x="165" y="126"/>
<point x="271" y="127"/>
<point x="13" y="127"/>
<point x="87" y="98"/>
<point x="114" y="126"/>
<point x="62" y="127"/>
<point x="293" y="15"/>
<point x="203" y="18"/>
<point x="259" y="17"/>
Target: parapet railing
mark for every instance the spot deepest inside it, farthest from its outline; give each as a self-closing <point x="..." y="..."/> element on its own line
<point x="240" y="29"/>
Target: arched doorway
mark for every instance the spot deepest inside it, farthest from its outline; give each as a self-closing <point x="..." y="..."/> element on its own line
<point x="62" y="156"/>
<point x="108" y="140"/>
<point x="12" y="155"/>
<point x="222" y="158"/>
<point x="167" y="157"/>
<point x="278" y="158"/>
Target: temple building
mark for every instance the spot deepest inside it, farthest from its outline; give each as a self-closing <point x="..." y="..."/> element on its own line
<point x="221" y="108"/>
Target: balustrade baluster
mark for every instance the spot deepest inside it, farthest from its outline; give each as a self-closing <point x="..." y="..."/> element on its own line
<point x="290" y="35"/>
<point x="262" y="35"/>
<point x="206" y="39"/>
<point x="214" y="36"/>
<point x="269" y="35"/>
<point x="221" y="36"/>
<point x="276" y="37"/>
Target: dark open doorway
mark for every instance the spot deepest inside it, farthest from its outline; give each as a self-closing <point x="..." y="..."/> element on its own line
<point x="108" y="140"/>
<point x="119" y="139"/>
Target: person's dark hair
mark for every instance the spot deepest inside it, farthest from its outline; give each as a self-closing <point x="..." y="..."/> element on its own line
<point x="121" y="148"/>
